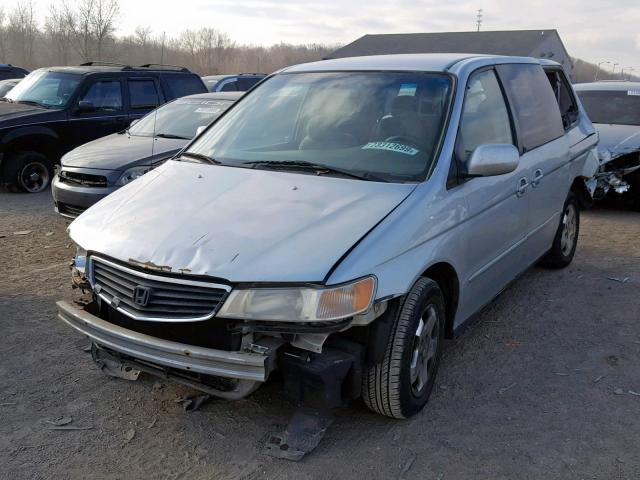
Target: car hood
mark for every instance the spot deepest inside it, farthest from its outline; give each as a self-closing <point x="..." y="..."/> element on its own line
<point x="618" y="139"/>
<point x="15" y="111"/>
<point x="238" y="224"/>
<point x="120" y="150"/>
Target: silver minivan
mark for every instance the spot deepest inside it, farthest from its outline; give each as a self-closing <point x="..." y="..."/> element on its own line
<point x="337" y="223"/>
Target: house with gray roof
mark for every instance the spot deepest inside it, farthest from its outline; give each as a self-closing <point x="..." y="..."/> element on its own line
<point x="528" y="43"/>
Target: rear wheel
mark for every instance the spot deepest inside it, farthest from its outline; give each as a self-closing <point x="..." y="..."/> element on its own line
<point x="566" y="239"/>
<point x="400" y="385"/>
<point x="29" y="172"/>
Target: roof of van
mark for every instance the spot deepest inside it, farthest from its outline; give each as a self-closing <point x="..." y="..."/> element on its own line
<point x="427" y="62"/>
<point x="608" y="85"/>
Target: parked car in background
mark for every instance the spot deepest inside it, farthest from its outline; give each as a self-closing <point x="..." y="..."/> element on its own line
<point x="7" y="85"/>
<point x="614" y="109"/>
<point x="96" y="169"/>
<point x="337" y="224"/>
<point x="232" y="83"/>
<point x="54" y="110"/>
<point x="9" y="71"/>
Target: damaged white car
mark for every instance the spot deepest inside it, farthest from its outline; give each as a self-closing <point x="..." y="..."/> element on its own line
<point x="337" y="223"/>
<point x="614" y="109"/>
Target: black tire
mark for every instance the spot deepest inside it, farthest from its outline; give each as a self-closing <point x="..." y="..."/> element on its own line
<point x="565" y="242"/>
<point x="634" y="191"/>
<point x="28" y="172"/>
<point x="389" y="388"/>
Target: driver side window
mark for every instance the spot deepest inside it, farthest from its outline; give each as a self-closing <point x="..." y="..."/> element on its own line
<point x="105" y="95"/>
<point x="485" y="119"/>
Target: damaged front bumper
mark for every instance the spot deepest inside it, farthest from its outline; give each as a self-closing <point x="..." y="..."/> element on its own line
<point x="238" y="365"/>
<point x="616" y="167"/>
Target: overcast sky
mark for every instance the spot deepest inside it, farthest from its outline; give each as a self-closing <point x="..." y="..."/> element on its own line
<point x="593" y="30"/>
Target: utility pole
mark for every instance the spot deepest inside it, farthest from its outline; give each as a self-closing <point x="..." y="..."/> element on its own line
<point x="613" y="70"/>
<point x="595" y="77"/>
<point x="164" y="34"/>
<point x="479" y="19"/>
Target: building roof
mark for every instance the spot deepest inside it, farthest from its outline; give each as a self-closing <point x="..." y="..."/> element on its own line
<point x="506" y="42"/>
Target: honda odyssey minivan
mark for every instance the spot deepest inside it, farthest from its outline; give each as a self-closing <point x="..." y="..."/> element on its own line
<point x="337" y="223"/>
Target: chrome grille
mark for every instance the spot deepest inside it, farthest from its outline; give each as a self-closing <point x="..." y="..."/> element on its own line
<point x="82" y="179"/>
<point x="144" y="296"/>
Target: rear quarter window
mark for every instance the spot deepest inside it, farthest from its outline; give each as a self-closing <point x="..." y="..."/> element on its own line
<point x="183" y="85"/>
<point x="533" y="104"/>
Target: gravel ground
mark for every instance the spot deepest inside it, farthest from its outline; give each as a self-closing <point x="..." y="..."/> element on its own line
<point x="546" y="384"/>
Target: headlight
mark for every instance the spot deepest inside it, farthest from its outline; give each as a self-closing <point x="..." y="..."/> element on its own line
<point x="305" y="304"/>
<point x="80" y="260"/>
<point x="604" y="156"/>
<point x="131" y="174"/>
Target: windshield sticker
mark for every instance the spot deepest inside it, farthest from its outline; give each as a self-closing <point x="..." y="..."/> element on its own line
<point x="208" y="110"/>
<point x="635" y="93"/>
<point x="392" y="147"/>
<point x="408" y="89"/>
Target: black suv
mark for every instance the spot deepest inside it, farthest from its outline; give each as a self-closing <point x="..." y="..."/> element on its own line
<point x="54" y="110"/>
<point x="8" y="71"/>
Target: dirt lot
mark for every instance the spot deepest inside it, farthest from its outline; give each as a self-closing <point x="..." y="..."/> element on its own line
<point x="545" y="385"/>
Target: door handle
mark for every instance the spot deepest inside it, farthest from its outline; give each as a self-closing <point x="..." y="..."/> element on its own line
<point x="537" y="176"/>
<point x="523" y="184"/>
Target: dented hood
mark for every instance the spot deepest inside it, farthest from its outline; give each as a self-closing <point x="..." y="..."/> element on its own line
<point x="618" y="139"/>
<point x="238" y="224"/>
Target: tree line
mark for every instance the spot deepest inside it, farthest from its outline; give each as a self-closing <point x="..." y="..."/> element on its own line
<point x="84" y="30"/>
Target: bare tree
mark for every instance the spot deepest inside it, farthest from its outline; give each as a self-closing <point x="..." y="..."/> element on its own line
<point x="142" y="35"/>
<point x="4" y="37"/>
<point x="105" y="14"/>
<point x="60" y="26"/>
<point x="23" y="30"/>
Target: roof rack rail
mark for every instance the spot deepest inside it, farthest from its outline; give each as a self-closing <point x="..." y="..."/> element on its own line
<point x="104" y="64"/>
<point x="253" y="73"/>
<point x="162" y="66"/>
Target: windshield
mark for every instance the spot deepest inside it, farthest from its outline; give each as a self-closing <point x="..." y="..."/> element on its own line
<point x="613" y="107"/>
<point x="180" y="118"/>
<point x="387" y="124"/>
<point x="44" y="88"/>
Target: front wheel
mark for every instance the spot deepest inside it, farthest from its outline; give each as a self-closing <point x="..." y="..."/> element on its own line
<point x="29" y="171"/>
<point x="566" y="239"/>
<point x="400" y="385"/>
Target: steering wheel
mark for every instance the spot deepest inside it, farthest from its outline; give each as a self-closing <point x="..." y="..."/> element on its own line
<point x="407" y="140"/>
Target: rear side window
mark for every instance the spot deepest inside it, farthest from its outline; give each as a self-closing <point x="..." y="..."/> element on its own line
<point x="485" y="119"/>
<point x="183" y="85"/>
<point x="105" y="95"/>
<point x="143" y="94"/>
<point x="245" y="84"/>
<point x="231" y="86"/>
<point x="534" y="105"/>
<point x="564" y="97"/>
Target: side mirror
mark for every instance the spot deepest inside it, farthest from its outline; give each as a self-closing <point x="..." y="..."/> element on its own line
<point x="134" y="121"/>
<point x="86" y="106"/>
<point x="490" y="160"/>
<point x="200" y="129"/>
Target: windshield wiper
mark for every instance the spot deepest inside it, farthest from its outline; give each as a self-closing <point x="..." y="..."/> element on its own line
<point x="171" y="135"/>
<point x="31" y="102"/>
<point x="200" y="156"/>
<point x="319" y="168"/>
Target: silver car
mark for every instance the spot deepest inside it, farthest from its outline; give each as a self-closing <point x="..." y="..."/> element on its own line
<point x="337" y="223"/>
<point x="614" y="108"/>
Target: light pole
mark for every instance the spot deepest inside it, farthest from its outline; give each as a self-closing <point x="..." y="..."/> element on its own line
<point x="595" y="78"/>
<point x="631" y="69"/>
<point x="613" y="70"/>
